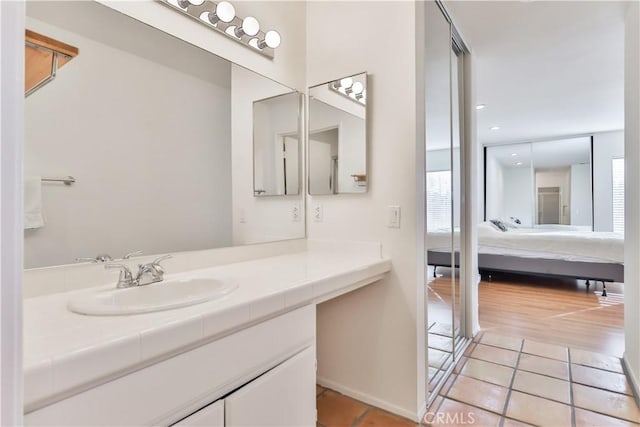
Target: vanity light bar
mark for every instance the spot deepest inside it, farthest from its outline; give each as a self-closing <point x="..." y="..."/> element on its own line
<point x="355" y="91"/>
<point x="221" y="16"/>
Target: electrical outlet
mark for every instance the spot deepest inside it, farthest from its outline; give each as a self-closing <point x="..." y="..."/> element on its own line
<point x="295" y="213"/>
<point x="394" y="217"/>
<point x="317" y="213"/>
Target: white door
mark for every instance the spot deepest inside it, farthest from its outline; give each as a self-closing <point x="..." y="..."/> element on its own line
<point x="284" y="396"/>
<point x="209" y="416"/>
<point x="319" y="167"/>
<point x="291" y="156"/>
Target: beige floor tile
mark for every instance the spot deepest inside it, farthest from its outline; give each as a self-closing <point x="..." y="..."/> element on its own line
<point x="479" y="393"/>
<point x="489" y="372"/>
<point x="508" y="422"/>
<point x="378" y="418"/>
<point x="469" y="349"/>
<point x="497" y="355"/>
<point x="440" y="342"/>
<point x="454" y="413"/>
<point x="591" y="419"/>
<point x="460" y="365"/>
<point x="596" y="360"/>
<point x="503" y="341"/>
<point x="543" y="386"/>
<point x="606" y="402"/>
<point x="337" y="410"/>
<point x="551" y="351"/>
<point x="538" y="411"/>
<point x="447" y="385"/>
<point x="600" y="378"/>
<point x="542" y="365"/>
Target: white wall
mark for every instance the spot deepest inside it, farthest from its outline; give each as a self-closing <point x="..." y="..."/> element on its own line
<point x="256" y="219"/>
<point x="495" y="188"/>
<point x="11" y="136"/>
<point x="367" y="339"/>
<point x="606" y="146"/>
<point x="148" y="177"/>
<point x="632" y="194"/>
<point x="581" y="195"/>
<point x="516" y="197"/>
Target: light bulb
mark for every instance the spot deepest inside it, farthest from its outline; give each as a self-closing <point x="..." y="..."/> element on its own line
<point x="185" y="3"/>
<point x="271" y="39"/>
<point x="346" y="82"/>
<point x="250" y="27"/>
<point x="224" y="12"/>
<point x="358" y="87"/>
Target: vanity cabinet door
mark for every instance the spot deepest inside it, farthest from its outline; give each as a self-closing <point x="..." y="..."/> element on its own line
<point x="209" y="416"/>
<point x="284" y="396"/>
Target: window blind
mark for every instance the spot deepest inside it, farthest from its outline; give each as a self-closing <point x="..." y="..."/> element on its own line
<point x="439" y="200"/>
<point x="617" y="191"/>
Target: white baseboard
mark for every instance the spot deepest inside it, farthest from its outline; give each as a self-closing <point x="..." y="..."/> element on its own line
<point x="422" y="411"/>
<point x="368" y="399"/>
<point x="632" y="376"/>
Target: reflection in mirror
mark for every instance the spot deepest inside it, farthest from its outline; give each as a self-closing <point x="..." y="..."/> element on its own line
<point x="337" y="136"/>
<point x="157" y="134"/>
<point x="276" y="145"/>
<point x="544" y="184"/>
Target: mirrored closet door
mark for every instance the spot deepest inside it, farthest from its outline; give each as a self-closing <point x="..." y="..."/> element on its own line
<point x="444" y="234"/>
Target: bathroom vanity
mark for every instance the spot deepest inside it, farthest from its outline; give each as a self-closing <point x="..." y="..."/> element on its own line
<point x="247" y="358"/>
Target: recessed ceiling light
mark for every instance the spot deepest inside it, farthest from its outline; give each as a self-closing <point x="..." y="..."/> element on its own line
<point x="519" y="164"/>
<point x="480" y="106"/>
<point x="514" y="154"/>
<point x="494" y="128"/>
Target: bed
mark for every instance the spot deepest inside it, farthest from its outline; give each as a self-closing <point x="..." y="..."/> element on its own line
<point x="558" y="251"/>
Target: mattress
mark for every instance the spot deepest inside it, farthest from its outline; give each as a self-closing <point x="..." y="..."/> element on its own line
<point x="583" y="246"/>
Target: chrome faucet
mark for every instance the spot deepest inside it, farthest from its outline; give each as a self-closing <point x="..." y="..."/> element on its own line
<point x="147" y="273"/>
<point x="100" y="258"/>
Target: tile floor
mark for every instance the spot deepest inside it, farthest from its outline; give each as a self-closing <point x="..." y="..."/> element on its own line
<point x="509" y="382"/>
<point x="337" y="410"/>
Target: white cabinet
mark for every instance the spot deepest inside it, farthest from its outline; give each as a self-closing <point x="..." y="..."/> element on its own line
<point x="284" y="396"/>
<point x="210" y="416"/>
<point x="281" y="397"/>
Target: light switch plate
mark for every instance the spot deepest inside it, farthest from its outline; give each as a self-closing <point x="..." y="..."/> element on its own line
<point x="394" y="217"/>
<point x="317" y="213"/>
<point x="242" y="216"/>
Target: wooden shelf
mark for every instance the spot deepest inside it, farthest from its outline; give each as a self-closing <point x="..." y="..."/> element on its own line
<point x="39" y="52"/>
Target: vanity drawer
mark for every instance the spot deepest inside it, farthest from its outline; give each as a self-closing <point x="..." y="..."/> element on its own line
<point x="168" y="391"/>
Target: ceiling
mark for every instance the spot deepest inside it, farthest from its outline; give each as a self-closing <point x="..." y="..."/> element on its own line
<point x="545" y="68"/>
<point x="543" y="155"/>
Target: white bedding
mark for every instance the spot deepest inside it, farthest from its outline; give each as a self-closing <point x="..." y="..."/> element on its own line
<point x="560" y="244"/>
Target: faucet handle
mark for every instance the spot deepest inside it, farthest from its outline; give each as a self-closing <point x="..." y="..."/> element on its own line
<point x="157" y="261"/>
<point x="130" y="254"/>
<point x="126" y="278"/>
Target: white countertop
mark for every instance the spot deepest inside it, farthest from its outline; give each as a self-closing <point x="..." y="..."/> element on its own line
<point x="65" y="353"/>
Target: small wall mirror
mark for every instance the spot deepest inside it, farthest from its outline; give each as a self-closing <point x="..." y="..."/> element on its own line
<point x="276" y="145"/>
<point x="338" y="136"/>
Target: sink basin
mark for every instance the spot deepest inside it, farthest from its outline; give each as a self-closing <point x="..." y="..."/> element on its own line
<point x="165" y="295"/>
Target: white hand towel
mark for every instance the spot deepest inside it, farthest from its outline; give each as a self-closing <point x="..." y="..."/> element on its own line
<point x="33" y="217"/>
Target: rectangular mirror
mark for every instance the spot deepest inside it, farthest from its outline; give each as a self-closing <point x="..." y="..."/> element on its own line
<point x="157" y="134"/>
<point x="338" y="136"/>
<point x="276" y="145"/>
<point x="545" y="184"/>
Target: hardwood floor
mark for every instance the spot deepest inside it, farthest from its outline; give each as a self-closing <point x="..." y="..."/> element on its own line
<point x="558" y="311"/>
